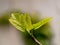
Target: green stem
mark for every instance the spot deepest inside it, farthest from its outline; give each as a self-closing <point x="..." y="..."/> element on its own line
<point x="35" y="40"/>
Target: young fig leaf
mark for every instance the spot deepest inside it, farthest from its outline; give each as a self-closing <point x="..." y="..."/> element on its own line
<point x="41" y="23"/>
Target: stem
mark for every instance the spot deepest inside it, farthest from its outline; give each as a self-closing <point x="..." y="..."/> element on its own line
<point x="35" y="40"/>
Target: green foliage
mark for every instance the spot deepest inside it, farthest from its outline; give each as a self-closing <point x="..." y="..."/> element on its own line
<point x="28" y="22"/>
<point x="42" y="34"/>
<point x="22" y="21"/>
<point x="5" y="16"/>
<point x="41" y="23"/>
<point x="14" y="20"/>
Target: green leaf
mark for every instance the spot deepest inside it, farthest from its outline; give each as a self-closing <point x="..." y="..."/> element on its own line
<point x="28" y="22"/>
<point x="19" y="19"/>
<point x="23" y="20"/>
<point x="41" y="23"/>
<point x="16" y="24"/>
<point x="15" y="16"/>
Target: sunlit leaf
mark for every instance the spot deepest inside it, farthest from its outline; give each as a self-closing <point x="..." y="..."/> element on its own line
<point x="16" y="24"/>
<point x="23" y="21"/>
<point x="15" y="16"/>
<point x="28" y="22"/>
<point x="41" y="23"/>
<point x="19" y="19"/>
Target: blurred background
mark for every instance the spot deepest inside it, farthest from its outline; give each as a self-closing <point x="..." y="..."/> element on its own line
<point x="47" y="8"/>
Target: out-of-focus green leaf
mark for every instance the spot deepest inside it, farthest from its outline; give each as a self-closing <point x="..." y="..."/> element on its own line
<point x="18" y="21"/>
<point x="23" y="20"/>
<point x="41" y="23"/>
<point x="15" y="16"/>
<point x="28" y="22"/>
<point x="17" y="25"/>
